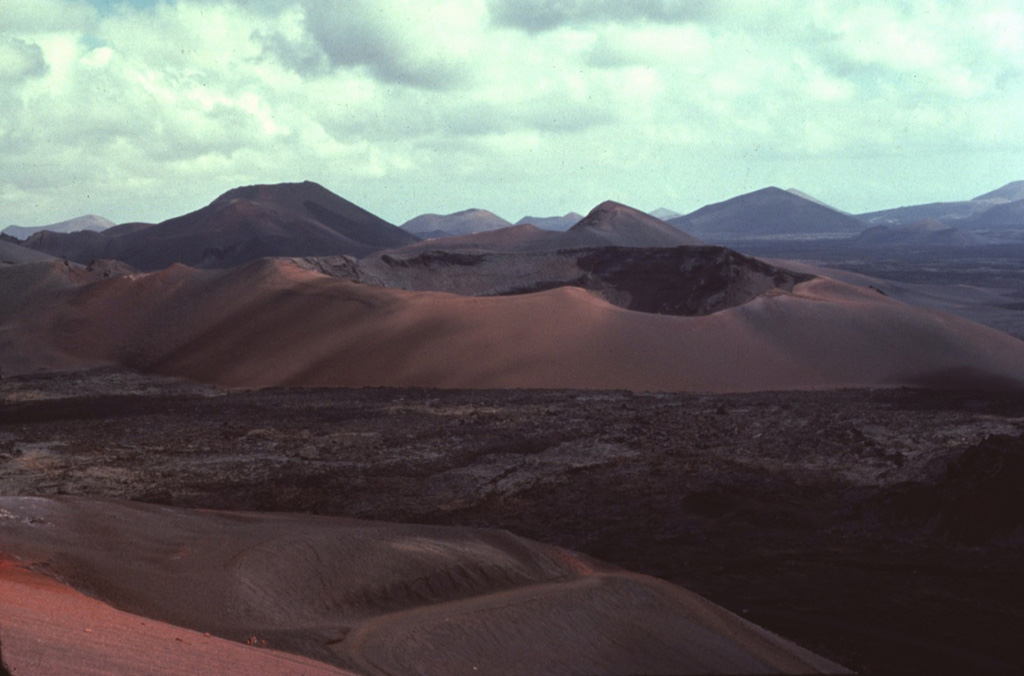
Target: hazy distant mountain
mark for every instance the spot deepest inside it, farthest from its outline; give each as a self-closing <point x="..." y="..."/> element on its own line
<point x="460" y="223"/>
<point x="1001" y="217"/>
<point x="1011" y="192"/>
<point x="947" y="212"/>
<point x="766" y="213"/>
<point x="927" y="233"/>
<point x="810" y="198"/>
<point x="665" y="214"/>
<point x="608" y="224"/>
<point x="560" y="223"/>
<point x="90" y="222"/>
<point x="288" y="219"/>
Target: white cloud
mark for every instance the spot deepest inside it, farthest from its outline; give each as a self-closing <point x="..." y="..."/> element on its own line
<point x="533" y="106"/>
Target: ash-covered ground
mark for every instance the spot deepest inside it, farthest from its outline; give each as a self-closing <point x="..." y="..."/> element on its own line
<point x="883" y="529"/>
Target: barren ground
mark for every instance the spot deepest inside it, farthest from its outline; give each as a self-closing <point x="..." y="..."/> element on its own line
<point x="883" y="529"/>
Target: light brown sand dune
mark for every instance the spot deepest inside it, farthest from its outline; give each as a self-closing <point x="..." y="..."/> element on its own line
<point x="377" y="598"/>
<point x="272" y="323"/>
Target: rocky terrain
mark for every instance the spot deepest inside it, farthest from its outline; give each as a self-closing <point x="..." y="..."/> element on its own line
<point x="879" y="528"/>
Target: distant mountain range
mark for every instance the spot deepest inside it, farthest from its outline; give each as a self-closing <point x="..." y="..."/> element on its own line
<point x="306" y="219"/>
<point x="560" y="223"/>
<point x="460" y="223"/>
<point x="89" y="222"/>
<point x="992" y="210"/>
<point x="607" y="224"/>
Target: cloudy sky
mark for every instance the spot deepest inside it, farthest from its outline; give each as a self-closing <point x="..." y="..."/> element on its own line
<point x="143" y="110"/>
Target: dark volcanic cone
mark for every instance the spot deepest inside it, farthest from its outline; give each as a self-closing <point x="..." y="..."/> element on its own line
<point x="614" y="224"/>
<point x="769" y="212"/>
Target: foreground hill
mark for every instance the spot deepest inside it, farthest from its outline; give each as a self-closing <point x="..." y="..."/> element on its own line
<point x="273" y="323"/>
<point x="289" y="219"/>
<point x="767" y="213"/>
<point x="368" y="596"/>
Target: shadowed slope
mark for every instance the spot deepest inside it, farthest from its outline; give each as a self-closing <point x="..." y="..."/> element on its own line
<point x="382" y="598"/>
<point x="272" y="323"/>
<point x="15" y="254"/>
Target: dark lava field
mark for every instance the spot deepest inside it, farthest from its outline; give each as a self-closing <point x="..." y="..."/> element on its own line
<point x="883" y="529"/>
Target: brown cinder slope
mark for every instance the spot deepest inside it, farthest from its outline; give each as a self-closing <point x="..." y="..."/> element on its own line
<point x="381" y="598"/>
<point x="274" y="323"/>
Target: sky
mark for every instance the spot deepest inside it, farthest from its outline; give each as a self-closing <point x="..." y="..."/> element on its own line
<point x="144" y="110"/>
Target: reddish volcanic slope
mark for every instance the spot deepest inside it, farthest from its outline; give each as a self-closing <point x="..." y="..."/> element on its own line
<point x="274" y="323"/>
<point x="371" y="597"/>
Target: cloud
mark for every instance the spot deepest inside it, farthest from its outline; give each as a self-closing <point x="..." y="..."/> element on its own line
<point x="511" y="106"/>
<point x="541" y="15"/>
<point x="46" y="16"/>
<point x="20" y="60"/>
<point x="429" y="44"/>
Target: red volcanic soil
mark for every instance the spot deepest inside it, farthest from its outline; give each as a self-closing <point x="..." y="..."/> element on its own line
<point x="50" y="629"/>
<point x="273" y="323"/>
<point x="372" y="597"/>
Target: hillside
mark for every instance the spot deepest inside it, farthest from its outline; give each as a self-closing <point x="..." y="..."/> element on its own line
<point x="263" y="324"/>
<point x="460" y="223"/>
<point x="243" y="224"/>
<point x="766" y="213"/>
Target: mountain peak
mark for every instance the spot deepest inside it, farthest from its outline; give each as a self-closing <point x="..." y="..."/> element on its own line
<point x="612" y="223"/>
<point x="765" y="213"/>
<point x="1011" y="192"/>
